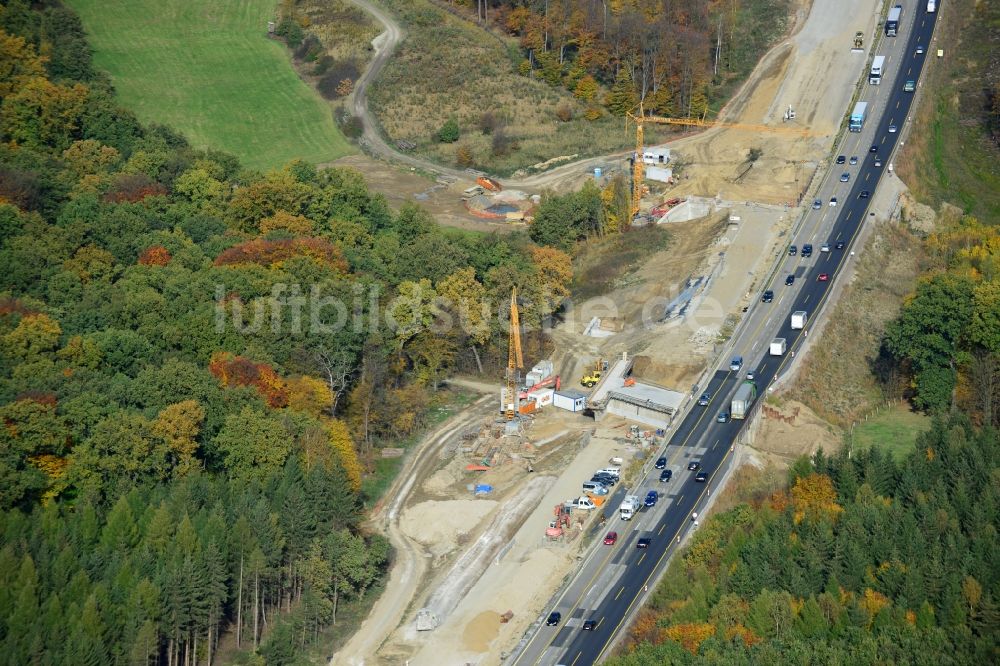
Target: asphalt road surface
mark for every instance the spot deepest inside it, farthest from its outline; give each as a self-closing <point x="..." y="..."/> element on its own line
<point x="612" y="579"/>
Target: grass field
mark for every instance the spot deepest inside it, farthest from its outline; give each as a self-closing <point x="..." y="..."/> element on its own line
<point x="894" y="430"/>
<point x="208" y="70"/>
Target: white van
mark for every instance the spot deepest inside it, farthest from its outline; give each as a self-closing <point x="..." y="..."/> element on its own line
<point x="613" y="471"/>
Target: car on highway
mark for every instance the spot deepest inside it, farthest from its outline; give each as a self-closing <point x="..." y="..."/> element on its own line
<point x="666" y="475"/>
<point x="589" y="625"/>
<point x="643" y="542"/>
<point x="840" y="245"/>
<point x="751" y="375"/>
<point x="892" y="129"/>
<point x="864" y="194"/>
<point x="704" y="400"/>
<point x="790" y="280"/>
<point x="767" y="297"/>
<point x="701" y="477"/>
<point x="723" y="417"/>
<point x="825" y="247"/>
<point x="554" y="618"/>
<point x="841" y="159"/>
<point x="661" y="463"/>
<point x="845" y="177"/>
<point x="736" y="364"/>
<point x="823" y="277"/>
<point x="878" y="162"/>
<point x="807" y="251"/>
<point x="854" y="160"/>
<point x="651" y="498"/>
<point x="909" y="86"/>
<point x="817" y="204"/>
<point x="694" y="466"/>
<point x="611" y="539"/>
<point x="920" y="49"/>
<point x="792" y="250"/>
<point x="874" y="148"/>
<point x="833" y="201"/>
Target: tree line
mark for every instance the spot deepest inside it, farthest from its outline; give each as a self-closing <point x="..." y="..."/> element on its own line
<point x="198" y="365"/>
<point x="677" y="57"/>
<point x="862" y="560"/>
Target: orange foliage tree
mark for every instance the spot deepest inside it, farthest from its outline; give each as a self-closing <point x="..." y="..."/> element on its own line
<point x="270" y="252"/>
<point x="233" y="370"/>
<point x="691" y="635"/>
<point x="814" y="497"/>
<point x="155" y="255"/>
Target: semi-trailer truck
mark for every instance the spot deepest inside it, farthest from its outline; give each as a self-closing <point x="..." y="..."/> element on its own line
<point x="858" y="117"/>
<point x="745" y="395"/>
<point x="892" y="21"/>
<point x="878" y="67"/>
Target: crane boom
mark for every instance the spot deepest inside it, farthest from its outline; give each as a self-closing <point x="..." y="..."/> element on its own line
<point x="514" y="358"/>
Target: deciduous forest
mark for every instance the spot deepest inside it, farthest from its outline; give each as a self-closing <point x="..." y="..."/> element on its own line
<point x="199" y="364"/>
<point x="677" y="57"/>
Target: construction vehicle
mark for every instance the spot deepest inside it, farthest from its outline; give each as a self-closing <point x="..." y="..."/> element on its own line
<point x="550" y="382"/>
<point x="859" y="40"/>
<point x="639" y="167"/>
<point x="489" y="183"/>
<point x="594" y="377"/>
<point x="514" y="359"/>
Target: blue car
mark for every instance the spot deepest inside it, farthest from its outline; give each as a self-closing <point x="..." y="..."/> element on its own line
<point x="651" y="498"/>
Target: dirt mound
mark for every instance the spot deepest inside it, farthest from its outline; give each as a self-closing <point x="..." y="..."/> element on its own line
<point x="481" y="631"/>
<point x="792" y="429"/>
<point x="440" y="525"/>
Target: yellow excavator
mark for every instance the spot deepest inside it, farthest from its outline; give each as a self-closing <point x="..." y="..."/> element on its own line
<point x="590" y="380"/>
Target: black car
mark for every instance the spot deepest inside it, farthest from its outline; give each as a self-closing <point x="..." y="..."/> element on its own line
<point x="792" y="251"/>
<point x="841" y="159"/>
<point x="790" y="279"/>
<point x="873" y="149"/>
<point x="701" y="477"/>
<point x="589" y="625"/>
<point x="807" y="250"/>
<point x="661" y="463"/>
<point x="864" y="194"/>
<point x="606" y="479"/>
<point x="767" y="297"/>
<point x="666" y="475"/>
<point x="694" y="465"/>
<point x="839" y="245"/>
<point x="554" y="618"/>
<point x="643" y="542"/>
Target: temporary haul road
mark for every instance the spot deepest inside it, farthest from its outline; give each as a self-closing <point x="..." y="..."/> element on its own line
<point x="612" y="580"/>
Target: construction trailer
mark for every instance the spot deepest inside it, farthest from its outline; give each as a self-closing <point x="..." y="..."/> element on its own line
<point x="569" y="399"/>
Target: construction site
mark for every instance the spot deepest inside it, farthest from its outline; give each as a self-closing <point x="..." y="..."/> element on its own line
<point x="488" y="518"/>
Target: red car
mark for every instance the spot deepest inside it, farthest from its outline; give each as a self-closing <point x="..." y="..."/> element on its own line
<point x="611" y="539"/>
<point x="823" y="277"/>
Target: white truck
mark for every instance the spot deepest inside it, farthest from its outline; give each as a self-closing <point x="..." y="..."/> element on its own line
<point x="877" y="70"/>
<point x="931" y="6"/>
<point x="583" y="503"/>
<point x="778" y="347"/>
<point x="799" y="318"/>
<point x="630" y="506"/>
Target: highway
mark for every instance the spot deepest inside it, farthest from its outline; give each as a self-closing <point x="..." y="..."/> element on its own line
<point x="612" y="580"/>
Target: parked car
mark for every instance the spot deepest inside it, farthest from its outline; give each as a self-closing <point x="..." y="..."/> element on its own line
<point x="651" y="498"/>
<point x="666" y="475"/>
<point x="611" y="539"/>
<point x="694" y="466"/>
<point x="661" y="463"/>
<point x="554" y="618"/>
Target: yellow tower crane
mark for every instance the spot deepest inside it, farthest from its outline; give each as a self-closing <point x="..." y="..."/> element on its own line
<point x="639" y="168"/>
<point x="514" y="358"/>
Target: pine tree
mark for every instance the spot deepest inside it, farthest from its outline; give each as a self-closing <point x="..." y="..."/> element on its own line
<point x="623" y="97"/>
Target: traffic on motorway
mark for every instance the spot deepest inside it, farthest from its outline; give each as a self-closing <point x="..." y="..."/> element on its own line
<point x="588" y="615"/>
